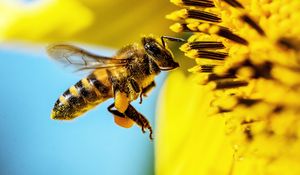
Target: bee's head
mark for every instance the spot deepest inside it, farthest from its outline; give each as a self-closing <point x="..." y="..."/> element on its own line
<point x="161" y="55"/>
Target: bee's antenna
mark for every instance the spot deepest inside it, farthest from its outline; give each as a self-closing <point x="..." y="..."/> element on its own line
<point x="170" y="38"/>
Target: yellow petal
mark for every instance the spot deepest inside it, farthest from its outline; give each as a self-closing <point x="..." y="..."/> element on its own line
<point x="109" y="23"/>
<point x="189" y="141"/>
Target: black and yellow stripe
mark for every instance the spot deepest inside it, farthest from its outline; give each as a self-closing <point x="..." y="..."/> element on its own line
<point x="81" y="97"/>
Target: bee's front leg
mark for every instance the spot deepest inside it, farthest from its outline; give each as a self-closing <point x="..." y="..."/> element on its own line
<point x="146" y="90"/>
<point x="138" y="90"/>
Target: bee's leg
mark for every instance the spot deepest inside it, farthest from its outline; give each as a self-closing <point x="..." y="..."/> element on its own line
<point x="135" y="86"/>
<point x="120" y="92"/>
<point x="120" y="95"/>
<point x="170" y="38"/>
<point x="120" y="119"/>
<point x="146" y="90"/>
<point x="139" y="119"/>
<point x="121" y="101"/>
<point x="121" y="104"/>
<point x="115" y="112"/>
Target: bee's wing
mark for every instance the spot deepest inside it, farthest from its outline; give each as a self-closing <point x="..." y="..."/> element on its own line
<point x="82" y="59"/>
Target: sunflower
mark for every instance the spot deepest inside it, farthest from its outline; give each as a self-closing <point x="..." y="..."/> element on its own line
<point x="244" y="117"/>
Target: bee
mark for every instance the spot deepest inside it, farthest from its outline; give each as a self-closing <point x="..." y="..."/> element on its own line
<point x="127" y="76"/>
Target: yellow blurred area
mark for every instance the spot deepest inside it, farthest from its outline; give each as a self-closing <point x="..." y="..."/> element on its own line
<point x="189" y="140"/>
<point x="108" y="23"/>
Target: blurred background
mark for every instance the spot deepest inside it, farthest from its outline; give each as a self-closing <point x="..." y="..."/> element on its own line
<point x="32" y="143"/>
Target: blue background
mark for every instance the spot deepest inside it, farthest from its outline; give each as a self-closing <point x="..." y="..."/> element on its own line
<point x="33" y="144"/>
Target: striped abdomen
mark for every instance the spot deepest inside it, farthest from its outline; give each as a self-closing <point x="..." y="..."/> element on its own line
<point x="84" y="95"/>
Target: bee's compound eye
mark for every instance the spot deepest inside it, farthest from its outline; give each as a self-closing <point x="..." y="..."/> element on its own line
<point x="124" y="122"/>
<point x="152" y="49"/>
<point x="151" y="46"/>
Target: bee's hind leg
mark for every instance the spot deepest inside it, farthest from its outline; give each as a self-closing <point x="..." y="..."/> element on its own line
<point x="131" y="115"/>
<point x="114" y="112"/>
<point x="120" y="118"/>
<point x="139" y="119"/>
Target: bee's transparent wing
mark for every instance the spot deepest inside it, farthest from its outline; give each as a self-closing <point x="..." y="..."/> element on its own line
<point x="81" y="59"/>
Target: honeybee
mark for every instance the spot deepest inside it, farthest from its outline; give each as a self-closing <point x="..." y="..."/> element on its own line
<point x="125" y="77"/>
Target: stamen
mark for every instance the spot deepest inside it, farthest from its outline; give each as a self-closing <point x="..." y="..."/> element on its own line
<point x="207" y="68"/>
<point x="206" y="45"/>
<point x="206" y="78"/>
<point x="261" y="70"/>
<point x="180" y="27"/>
<point x="278" y="109"/>
<point x="221" y="31"/>
<point x="253" y="24"/>
<point x="289" y="43"/>
<point x="214" y="77"/>
<point x="207" y="54"/>
<point x="248" y="102"/>
<point x="203" y="69"/>
<point x="245" y="122"/>
<point x="234" y="3"/>
<point x="194" y="14"/>
<point x="228" y="84"/>
<point x="221" y="110"/>
<point x="226" y="33"/>
<point x="202" y="15"/>
<point x="197" y="3"/>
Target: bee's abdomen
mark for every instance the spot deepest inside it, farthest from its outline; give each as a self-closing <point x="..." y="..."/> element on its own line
<point x="81" y="97"/>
